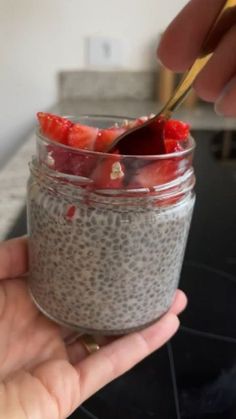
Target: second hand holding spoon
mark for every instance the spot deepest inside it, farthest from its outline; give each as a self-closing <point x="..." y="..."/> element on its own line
<point x="143" y="139"/>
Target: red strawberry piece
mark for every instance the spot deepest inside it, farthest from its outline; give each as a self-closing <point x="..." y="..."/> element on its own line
<point x="176" y="130"/>
<point x="106" y="137"/>
<point x="109" y="173"/>
<point x="140" y="121"/>
<point x="172" y="146"/>
<point x="71" y="163"/>
<point x="82" y="164"/>
<point x="70" y="212"/>
<point x="154" y="174"/>
<point x="135" y="123"/>
<point x="82" y="136"/>
<point x="54" y="127"/>
<point x="59" y="159"/>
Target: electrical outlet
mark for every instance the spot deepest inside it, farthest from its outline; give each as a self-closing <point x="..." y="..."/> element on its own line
<point x="104" y="52"/>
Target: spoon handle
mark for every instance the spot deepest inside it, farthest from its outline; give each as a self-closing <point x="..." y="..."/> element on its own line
<point x="225" y="18"/>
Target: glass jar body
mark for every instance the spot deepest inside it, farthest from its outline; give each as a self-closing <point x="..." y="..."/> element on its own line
<point x="102" y="262"/>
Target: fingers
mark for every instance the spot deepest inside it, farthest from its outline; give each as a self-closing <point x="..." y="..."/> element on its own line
<point x="225" y="104"/>
<point x="179" y="303"/>
<point x="112" y="360"/>
<point x="13" y="258"/>
<point x="183" y="39"/>
<point x="219" y="70"/>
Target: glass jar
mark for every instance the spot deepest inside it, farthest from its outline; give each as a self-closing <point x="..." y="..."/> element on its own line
<point x="107" y="233"/>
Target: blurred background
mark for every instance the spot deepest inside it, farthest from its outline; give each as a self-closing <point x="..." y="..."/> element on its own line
<point x="41" y="39"/>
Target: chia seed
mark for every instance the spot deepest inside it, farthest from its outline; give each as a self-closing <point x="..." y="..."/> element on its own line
<point x="120" y="279"/>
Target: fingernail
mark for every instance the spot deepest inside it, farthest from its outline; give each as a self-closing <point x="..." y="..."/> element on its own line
<point x="218" y="110"/>
<point x="220" y="102"/>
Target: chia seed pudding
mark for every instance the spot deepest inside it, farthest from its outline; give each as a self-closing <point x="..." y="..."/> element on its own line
<point x="102" y="262"/>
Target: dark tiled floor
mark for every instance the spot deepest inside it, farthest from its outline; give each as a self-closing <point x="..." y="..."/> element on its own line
<point x="194" y="376"/>
<point x="205" y="368"/>
<point x="214" y="309"/>
<point x="137" y="394"/>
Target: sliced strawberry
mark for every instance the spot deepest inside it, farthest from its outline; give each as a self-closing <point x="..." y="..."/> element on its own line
<point x="70" y="163"/>
<point x="109" y="173"/>
<point x="54" y="127"/>
<point x="128" y="124"/>
<point x="82" y="136"/>
<point x="70" y="212"/>
<point x="59" y="159"/>
<point x="135" y="123"/>
<point x="82" y="164"/>
<point x="154" y="174"/>
<point x="106" y="137"/>
<point x="140" y="121"/>
<point x="176" y="130"/>
<point x="172" y="146"/>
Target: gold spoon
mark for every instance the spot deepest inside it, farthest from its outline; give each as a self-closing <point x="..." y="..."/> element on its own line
<point x="144" y="137"/>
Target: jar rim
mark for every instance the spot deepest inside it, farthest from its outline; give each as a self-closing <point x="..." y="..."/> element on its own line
<point x="180" y="187"/>
<point x="188" y="150"/>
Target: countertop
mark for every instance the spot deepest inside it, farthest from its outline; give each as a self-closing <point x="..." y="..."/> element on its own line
<point x="13" y="176"/>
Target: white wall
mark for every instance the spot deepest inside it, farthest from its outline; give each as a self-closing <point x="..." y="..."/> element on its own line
<point x="41" y="37"/>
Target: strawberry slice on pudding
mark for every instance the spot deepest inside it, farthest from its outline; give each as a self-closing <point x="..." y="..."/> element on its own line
<point x="54" y="127"/>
